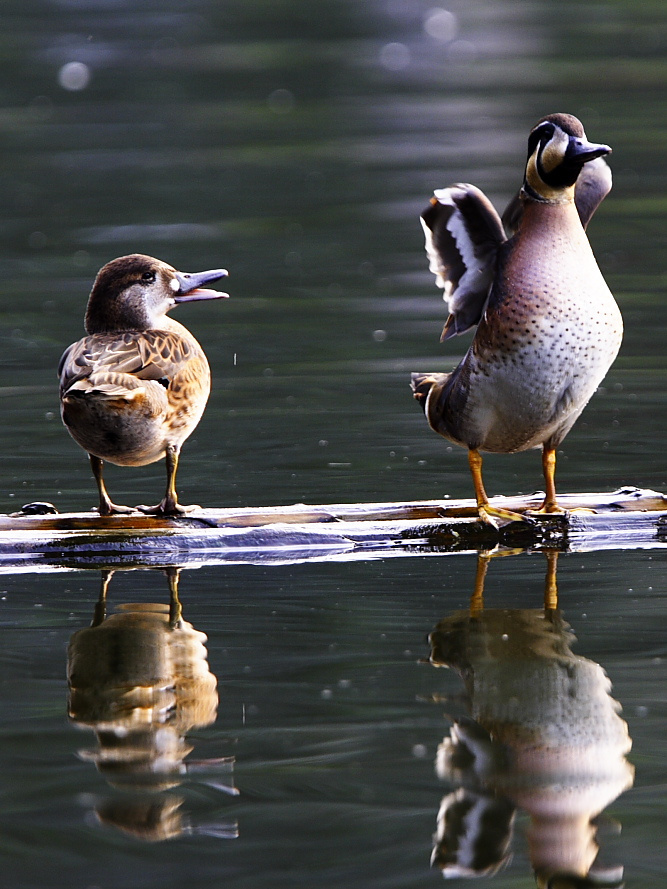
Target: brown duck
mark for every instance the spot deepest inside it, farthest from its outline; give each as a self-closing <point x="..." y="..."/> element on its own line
<point x="136" y="387"/>
<point x="548" y="328"/>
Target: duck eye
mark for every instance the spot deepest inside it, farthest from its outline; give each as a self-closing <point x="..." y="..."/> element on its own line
<point x="148" y="277"/>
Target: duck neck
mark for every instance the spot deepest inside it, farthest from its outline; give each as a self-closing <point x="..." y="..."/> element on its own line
<point x="547" y="195"/>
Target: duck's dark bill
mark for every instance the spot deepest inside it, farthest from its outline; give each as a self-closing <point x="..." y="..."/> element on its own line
<point x="580" y="149"/>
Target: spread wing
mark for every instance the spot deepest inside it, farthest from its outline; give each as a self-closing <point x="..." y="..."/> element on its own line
<point x="592" y="187"/>
<point x="463" y="233"/>
<point x="148" y="355"/>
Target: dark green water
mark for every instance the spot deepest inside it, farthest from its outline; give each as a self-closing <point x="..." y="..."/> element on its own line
<point x="296" y="144"/>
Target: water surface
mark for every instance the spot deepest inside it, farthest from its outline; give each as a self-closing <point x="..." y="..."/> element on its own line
<point x="297" y="147"/>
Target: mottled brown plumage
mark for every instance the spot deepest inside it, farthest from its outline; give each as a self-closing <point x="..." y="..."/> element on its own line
<point x="548" y="327"/>
<point x="136" y="387"/>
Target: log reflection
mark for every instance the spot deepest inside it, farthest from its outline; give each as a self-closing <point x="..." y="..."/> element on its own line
<point x="543" y="735"/>
<point x="139" y="678"/>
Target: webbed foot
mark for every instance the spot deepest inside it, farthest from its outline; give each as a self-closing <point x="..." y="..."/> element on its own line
<point x="168" y="509"/>
<point x="107" y="508"/>
<point x="488" y="514"/>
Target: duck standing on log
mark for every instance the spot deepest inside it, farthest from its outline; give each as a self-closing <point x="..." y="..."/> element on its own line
<point x="548" y="327"/>
<point x="136" y="387"/>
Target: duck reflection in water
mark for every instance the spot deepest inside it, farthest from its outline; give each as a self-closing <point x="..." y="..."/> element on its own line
<point x="140" y="679"/>
<point x="543" y="735"/>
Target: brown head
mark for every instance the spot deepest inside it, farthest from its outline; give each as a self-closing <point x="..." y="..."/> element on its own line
<point x="557" y="151"/>
<point x="134" y="292"/>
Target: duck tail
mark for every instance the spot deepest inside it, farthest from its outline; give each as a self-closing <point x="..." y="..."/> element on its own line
<point x="421" y="385"/>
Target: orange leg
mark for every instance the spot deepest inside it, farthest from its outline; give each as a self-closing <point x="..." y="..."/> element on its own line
<point x="550" y="504"/>
<point x="488" y="513"/>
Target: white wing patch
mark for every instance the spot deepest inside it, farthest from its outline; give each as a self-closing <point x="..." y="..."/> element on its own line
<point x="463" y="233"/>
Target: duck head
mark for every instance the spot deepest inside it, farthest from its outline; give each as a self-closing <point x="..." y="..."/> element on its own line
<point x="134" y="292"/>
<point x="557" y="151"/>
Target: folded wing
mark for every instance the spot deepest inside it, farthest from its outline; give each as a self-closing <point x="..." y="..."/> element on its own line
<point x="148" y="355"/>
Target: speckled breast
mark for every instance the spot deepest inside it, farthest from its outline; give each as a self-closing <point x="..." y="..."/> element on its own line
<point x="550" y="333"/>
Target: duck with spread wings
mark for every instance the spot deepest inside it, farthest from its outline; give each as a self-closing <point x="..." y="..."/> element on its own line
<point x="548" y="327"/>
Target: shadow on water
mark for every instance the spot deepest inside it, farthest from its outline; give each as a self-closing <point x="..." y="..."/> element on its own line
<point x="542" y="736"/>
<point x="139" y="678"/>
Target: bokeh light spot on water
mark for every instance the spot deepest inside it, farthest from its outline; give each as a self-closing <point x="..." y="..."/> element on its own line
<point x="74" y="76"/>
<point x="441" y="24"/>
<point x="395" y="56"/>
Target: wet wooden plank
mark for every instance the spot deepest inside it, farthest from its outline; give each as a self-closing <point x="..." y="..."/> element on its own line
<point x="630" y="517"/>
<point x="626" y="499"/>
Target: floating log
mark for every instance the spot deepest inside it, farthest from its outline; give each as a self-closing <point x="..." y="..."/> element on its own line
<point x="627" y="518"/>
